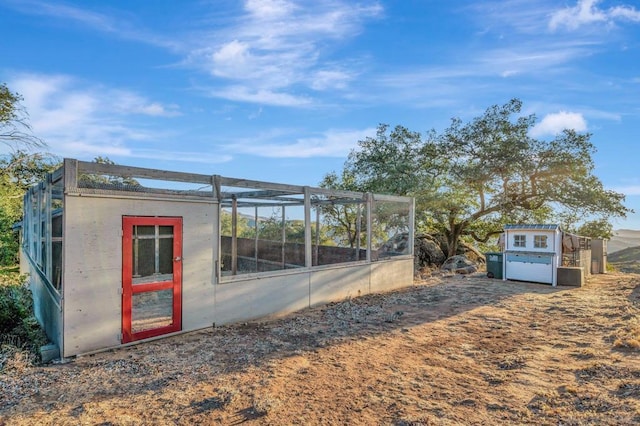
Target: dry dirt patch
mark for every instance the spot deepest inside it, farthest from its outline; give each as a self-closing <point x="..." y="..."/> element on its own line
<point x="450" y="350"/>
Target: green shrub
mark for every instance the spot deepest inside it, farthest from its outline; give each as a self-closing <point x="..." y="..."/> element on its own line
<point x="9" y="244"/>
<point x="18" y="325"/>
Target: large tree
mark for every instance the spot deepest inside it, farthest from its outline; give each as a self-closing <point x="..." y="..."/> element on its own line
<point x="19" y="168"/>
<point x="474" y="177"/>
<point x="339" y="221"/>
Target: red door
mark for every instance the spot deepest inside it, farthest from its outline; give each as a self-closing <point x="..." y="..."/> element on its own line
<point x="151" y="276"/>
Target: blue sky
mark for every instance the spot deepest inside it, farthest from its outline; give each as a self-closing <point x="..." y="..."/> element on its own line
<point x="282" y="90"/>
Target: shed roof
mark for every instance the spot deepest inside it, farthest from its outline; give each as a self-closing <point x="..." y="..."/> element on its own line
<point x="532" y="226"/>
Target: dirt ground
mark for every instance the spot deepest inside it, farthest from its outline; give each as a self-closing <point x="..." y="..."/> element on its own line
<point x="447" y="351"/>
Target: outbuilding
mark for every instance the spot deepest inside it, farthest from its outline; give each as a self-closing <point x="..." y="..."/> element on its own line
<point x="532" y="253"/>
<point x="117" y="255"/>
<point x="543" y="253"/>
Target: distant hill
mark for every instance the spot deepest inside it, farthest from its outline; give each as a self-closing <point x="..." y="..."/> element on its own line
<point x="622" y="239"/>
<point x="625" y="255"/>
<point x="626" y="260"/>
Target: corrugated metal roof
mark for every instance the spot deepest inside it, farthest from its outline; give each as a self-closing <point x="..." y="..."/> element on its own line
<point x="532" y="226"/>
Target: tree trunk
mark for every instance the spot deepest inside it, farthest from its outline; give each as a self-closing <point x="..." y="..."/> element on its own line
<point x="452" y="239"/>
<point x="453" y="246"/>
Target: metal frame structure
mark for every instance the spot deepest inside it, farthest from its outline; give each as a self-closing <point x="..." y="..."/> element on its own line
<point x="73" y="247"/>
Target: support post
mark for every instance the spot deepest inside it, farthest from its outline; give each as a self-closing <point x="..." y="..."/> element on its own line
<point x="234" y="235"/>
<point x="70" y="174"/>
<point x="284" y="237"/>
<point x="307" y="228"/>
<point x="257" y="230"/>
<point x="358" y="226"/>
<point x="369" y="199"/>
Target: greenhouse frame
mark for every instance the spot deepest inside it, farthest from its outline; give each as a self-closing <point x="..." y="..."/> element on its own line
<point x="117" y="255"/>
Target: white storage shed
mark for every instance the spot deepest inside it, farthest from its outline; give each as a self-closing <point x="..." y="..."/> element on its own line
<point x="532" y="253"/>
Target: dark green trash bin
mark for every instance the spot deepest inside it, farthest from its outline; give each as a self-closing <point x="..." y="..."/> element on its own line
<point x="494" y="265"/>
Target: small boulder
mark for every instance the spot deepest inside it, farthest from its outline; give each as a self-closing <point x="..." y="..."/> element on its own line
<point x="460" y="265"/>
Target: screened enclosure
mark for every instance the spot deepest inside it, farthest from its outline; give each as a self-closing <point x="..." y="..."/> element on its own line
<point x="119" y="254"/>
<point x="266" y="230"/>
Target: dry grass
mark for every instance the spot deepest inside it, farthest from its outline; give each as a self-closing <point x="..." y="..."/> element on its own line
<point x="448" y="351"/>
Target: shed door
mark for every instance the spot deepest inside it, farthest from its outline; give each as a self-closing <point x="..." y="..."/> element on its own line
<point x="151" y="276"/>
<point x="532" y="267"/>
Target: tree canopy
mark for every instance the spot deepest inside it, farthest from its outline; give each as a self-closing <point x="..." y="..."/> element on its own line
<point x="474" y="177"/>
<point x="18" y="172"/>
<point x="19" y="169"/>
<point x="15" y="130"/>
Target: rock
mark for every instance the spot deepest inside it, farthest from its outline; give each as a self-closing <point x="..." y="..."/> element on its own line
<point x="460" y="265"/>
<point x="427" y="252"/>
<point x="397" y="245"/>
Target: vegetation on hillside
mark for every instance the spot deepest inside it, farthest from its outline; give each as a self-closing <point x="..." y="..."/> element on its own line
<point x="623" y="238"/>
<point x="626" y="260"/>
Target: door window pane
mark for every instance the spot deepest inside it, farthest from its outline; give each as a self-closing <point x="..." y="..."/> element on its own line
<point x="166" y="231"/>
<point x="165" y="256"/>
<point x="152" y="254"/>
<point x="144" y="230"/>
<point x="152" y="309"/>
<point x="143" y="258"/>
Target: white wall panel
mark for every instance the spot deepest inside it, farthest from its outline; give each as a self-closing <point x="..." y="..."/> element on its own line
<point x="339" y="283"/>
<point x="244" y="300"/>
<point x="93" y="266"/>
<point x="391" y="275"/>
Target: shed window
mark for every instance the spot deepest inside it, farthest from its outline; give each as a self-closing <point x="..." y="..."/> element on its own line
<point x="540" y="241"/>
<point x="519" y="240"/>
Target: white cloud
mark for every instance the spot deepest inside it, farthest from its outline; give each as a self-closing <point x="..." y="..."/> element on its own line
<point x="230" y="59"/>
<point x="625" y="12"/>
<point x="327" y="79"/>
<point x="275" y="49"/>
<point x="269" y="8"/>
<point x="126" y="102"/>
<point x="94" y="20"/>
<point x="506" y="16"/>
<point x="158" y="110"/>
<point x="553" y="124"/>
<point x="84" y="149"/>
<point x="278" y="47"/>
<point x="332" y="143"/>
<point x="186" y="156"/>
<point x="628" y="190"/>
<point x="441" y="85"/>
<point x="587" y="12"/>
<point x="531" y="58"/>
<point x="76" y="119"/>
<point x="260" y="96"/>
